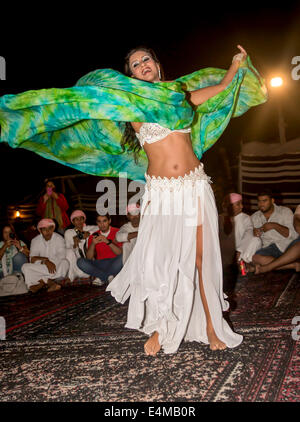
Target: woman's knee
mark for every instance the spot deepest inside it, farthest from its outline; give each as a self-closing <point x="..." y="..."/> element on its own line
<point x="19" y="260"/>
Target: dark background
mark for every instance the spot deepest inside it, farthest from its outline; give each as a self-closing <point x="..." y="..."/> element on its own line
<point x="51" y="47"/>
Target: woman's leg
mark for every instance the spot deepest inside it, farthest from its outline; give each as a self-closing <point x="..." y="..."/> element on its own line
<point x="18" y="261"/>
<point x="214" y="341"/>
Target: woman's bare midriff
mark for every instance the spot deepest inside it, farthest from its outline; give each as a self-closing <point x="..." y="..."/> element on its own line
<point x="172" y="156"/>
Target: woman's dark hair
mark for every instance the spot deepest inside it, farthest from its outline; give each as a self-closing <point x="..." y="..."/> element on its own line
<point x="11" y="228"/>
<point x="129" y="141"/>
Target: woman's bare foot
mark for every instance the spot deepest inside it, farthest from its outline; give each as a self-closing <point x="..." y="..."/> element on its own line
<point x="214" y="342"/>
<point x="152" y="346"/>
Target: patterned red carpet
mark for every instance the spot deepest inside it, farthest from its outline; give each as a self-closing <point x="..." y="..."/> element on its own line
<point x="71" y="345"/>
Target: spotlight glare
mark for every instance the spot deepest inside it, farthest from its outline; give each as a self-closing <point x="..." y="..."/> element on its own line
<point x="275" y="82"/>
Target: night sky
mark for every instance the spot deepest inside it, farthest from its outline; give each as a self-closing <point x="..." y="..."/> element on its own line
<point x="54" y="49"/>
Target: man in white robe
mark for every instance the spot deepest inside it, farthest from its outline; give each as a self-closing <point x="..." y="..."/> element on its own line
<point x="128" y="232"/>
<point x="246" y="244"/>
<point x="75" y="243"/>
<point x="47" y="259"/>
<point x="274" y="225"/>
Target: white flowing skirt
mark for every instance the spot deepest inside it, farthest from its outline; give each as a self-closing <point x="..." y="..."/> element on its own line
<point x="160" y="275"/>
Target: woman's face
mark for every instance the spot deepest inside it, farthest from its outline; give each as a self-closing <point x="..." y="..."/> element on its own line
<point x="143" y="67"/>
<point x="6" y="233"/>
<point x="50" y="185"/>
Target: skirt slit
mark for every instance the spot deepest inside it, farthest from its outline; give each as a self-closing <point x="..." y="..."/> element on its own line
<point x="160" y="277"/>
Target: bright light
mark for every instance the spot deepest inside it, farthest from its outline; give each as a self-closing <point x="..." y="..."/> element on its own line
<point x="276" y="81"/>
<point x="18" y="214"/>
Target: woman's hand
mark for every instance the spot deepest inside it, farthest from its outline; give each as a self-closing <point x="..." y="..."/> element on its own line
<point x="46" y="197"/>
<point x="17" y="244"/>
<point x="8" y="244"/>
<point x="240" y="57"/>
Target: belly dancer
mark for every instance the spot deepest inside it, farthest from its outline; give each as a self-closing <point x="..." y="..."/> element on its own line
<point x="173" y="276"/>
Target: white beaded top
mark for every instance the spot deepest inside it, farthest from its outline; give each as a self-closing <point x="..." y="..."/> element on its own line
<point x="153" y="132"/>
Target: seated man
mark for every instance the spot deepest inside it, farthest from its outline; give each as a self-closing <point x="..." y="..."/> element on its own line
<point x="290" y="259"/>
<point x="75" y="243"/>
<point x="104" y="255"/>
<point x="236" y="232"/>
<point x="47" y="259"/>
<point x="274" y="225"/>
<point x="246" y="243"/>
<point x="129" y="231"/>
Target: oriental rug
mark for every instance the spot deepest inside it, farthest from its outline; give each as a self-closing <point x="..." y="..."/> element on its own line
<point x="71" y="346"/>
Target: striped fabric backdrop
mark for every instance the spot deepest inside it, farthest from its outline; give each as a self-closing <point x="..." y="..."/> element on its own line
<point x="275" y="167"/>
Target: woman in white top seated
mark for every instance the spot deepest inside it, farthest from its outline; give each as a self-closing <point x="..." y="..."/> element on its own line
<point x="75" y="239"/>
<point x="13" y="252"/>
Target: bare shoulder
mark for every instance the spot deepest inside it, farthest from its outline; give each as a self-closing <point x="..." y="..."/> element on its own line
<point x="136" y="126"/>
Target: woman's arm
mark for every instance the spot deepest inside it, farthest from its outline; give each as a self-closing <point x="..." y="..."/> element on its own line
<point x="62" y="202"/>
<point x="41" y="207"/>
<point x="4" y="247"/>
<point x="203" y="94"/>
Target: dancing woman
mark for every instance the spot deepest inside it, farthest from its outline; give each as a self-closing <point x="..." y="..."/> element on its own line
<point x="174" y="274"/>
<point x="160" y="274"/>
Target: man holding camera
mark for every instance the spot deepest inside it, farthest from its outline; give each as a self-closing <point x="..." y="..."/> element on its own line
<point x="76" y="243"/>
<point x="104" y="254"/>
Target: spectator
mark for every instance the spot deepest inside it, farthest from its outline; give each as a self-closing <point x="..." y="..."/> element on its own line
<point x="290" y="259"/>
<point x="31" y="231"/>
<point x="245" y="242"/>
<point x="273" y="224"/>
<point x="105" y="249"/>
<point x="13" y="252"/>
<point x="47" y="259"/>
<point x="129" y="231"/>
<point x="54" y="205"/>
<point x="76" y="243"/>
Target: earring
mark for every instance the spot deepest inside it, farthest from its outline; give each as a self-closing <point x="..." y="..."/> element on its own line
<point x="159" y="74"/>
